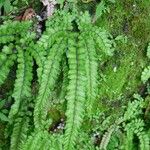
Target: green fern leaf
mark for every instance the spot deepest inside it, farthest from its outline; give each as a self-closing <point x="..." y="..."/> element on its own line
<point x="9" y="31"/>
<point x="137" y="127"/>
<point x="76" y="91"/>
<point x="148" y="51"/>
<point x="33" y="141"/>
<point x="104" y="44"/>
<point x="6" y="62"/>
<point x="22" y="89"/>
<point x="19" y="134"/>
<point x="63" y="88"/>
<point x="42" y="140"/>
<point x="100" y="9"/>
<point x="144" y="141"/>
<point x="91" y="65"/>
<point x="129" y="140"/>
<point x="145" y="74"/>
<point x="133" y="109"/>
<point x="49" y="76"/>
<point x="38" y="53"/>
<point x="108" y="135"/>
<point x="91" y="73"/>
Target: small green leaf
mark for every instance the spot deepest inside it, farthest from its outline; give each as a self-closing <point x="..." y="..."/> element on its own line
<point x="99" y="9"/>
<point x="3" y="117"/>
<point x="148" y="51"/>
<point x="2" y="103"/>
<point x="6" y="50"/>
<point x="145" y="74"/>
<point x="7" y="6"/>
<point x="5" y="111"/>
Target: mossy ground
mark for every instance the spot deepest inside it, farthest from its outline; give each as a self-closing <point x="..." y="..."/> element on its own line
<point x="121" y="75"/>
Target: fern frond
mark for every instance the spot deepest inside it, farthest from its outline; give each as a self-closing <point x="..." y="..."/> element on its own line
<point x="84" y="142"/>
<point x="37" y="51"/>
<point x="102" y="39"/>
<point x="106" y="138"/>
<point x="84" y="22"/>
<point x="60" y="21"/>
<point x="108" y="135"/>
<point x="148" y="51"/>
<point x="145" y="74"/>
<point x="128" y="145"/>
<point x="91" y="74"/>
<point x="64" y="84"/>
<point x="34" y="140"/>
<point x="137" y="127"/>
<point x="9" y="31"/>
<point x="19" y="134"/>
<point x="42" y="140"/>
<point x="91" y="64"/>
<point x="103" y="42"/>
<point x="144" y="141"/>
<point x="22" y="89"/>
<point x="6" y="62"/>
<point x="100" y="9"/>
<point x="133" y="109"/>
<point x="49" y="76"/>
<point x="76" y="91"/>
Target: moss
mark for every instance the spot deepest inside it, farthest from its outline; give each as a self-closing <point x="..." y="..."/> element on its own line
<point x="128" y="17"/>
<point x="121" y="76"/>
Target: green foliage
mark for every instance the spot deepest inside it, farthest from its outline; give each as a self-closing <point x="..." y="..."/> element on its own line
<point x="76" y="91"/>
<point x="148" y="51"/>
<point x="133" y="127"/>
<point x="6" y="62"/>
<point x="136" y="127"/>
<point x="43" y="140"/>
<point x="146" y="72"/>
<point x="3" y="111"/>
<point x="61" y="41"/>
<point x="134" y="108"/>
<point x="58" y="83"/>
<point x="116" y="82"/>
<point x="50" y="74"/>
<point x="6" y="4"/>
<point x="19" y="133"/>
<point x="102" y="8"/>
<point x="17" y="51"/>
<point x="22" y="85"/>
